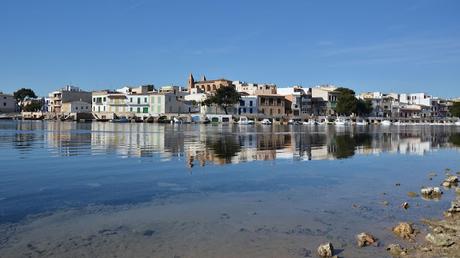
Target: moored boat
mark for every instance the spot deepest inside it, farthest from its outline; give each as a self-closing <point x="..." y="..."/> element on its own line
<point x="341" y="122"/>
<point x="361" y="122"/>
<point x="386" y="122"/>
<point x="245" y="121"/>
<point x="310" y="122"/>
<point x="266" y="121"/>
<point x="121" y="119"/>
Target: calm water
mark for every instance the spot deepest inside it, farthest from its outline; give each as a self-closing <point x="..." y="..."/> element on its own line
<point x="153" y="190"/>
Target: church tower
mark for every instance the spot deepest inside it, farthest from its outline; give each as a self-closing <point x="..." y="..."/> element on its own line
<point x="191" y="82"/>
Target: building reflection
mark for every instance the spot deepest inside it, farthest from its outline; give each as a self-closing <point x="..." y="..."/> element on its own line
<point x="198" y="145"/>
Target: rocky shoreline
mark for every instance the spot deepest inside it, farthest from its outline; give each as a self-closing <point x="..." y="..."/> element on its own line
<point x="441" y="240"/>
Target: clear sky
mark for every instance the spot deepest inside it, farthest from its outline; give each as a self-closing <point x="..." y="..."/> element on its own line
<point x="389" y="46"/>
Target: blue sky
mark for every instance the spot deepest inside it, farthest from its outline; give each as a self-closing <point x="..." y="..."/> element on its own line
<point x="404" y="46"/>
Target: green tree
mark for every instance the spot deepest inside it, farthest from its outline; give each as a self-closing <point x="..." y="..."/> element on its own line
<point x="22" y="94"/>
<point x="346" y="101"/>
<point x="455" y="109"/>
<point x="363" y="107"/>
<point x="224" y="97"/>
<point x="34" y="106"/>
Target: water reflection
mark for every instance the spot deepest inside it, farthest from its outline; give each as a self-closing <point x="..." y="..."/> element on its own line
<point x="222" y="144"/>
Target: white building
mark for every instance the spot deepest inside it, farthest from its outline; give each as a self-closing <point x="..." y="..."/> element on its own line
<point x="76" y="107"/>
<point x="299" y="99"/>
<point x="328" y="96"/>
<point x="248" y="106"/>
<point x="255" y="88"/>
<point x="138" y="104"/>
<point x="415" y="99"/>
<point x="67" y="94"/>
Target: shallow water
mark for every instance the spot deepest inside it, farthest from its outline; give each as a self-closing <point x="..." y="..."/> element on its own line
<point x="154" y="190"/>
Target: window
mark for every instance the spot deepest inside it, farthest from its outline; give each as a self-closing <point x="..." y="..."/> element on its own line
<point x="131" y="100"/>
<point x="138" y="110"/>
<point x="241" y="102"/>
<point x="94" y="99"/>
<point x="4" y="104"/>
<point x="76" y="108"/>
<point x="145" y="100"/>
<point x="250" y="110"/>
<point x="130" y="109"/>
<point x="145" y="110"/>
<point x="250" y="103"/>
<point x="138" y="100"/>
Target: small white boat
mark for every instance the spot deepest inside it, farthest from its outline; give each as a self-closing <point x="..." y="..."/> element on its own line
<point x="176" y="120"/>
<point x="245" y="121"/>
<point x="386" y="122"/>
<point x="457" y="123"/>
<point x="266" y="121"/>
<point x="361" y="122"/>
<point x="294" y="122"/>
<point x="340" y="122"/>
<point x="322" y="123"/>
<point x="399" y="123"/>
<point x="310" y="122"/>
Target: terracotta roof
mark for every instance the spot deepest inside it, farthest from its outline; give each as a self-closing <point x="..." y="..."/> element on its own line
<point x="208" y="81"/>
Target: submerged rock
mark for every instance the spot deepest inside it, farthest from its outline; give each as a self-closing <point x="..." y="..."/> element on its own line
<point x="404" y="230"/>
<point x="431" y="192"/>
<point x="396" y="250"/>
<point x="325" y="250"/>
<point x="450" y="181"/>
<point x="412" y="194"/>
<point x="365" y="239"/>
<point x="441" y="239"/>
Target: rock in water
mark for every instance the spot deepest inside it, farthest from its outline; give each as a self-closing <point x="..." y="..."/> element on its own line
<point x="412" y="194"/>
<point x="404" y="230"/>
<point x="325" y="250"/>
<point x="440" y="239"/>
<point x="431" y="192"/>
<point x="450" y="181"/>
<point x="396" y="250"/>
<point x="454" y="208"/>
<point x="405" y="205"/>
<point x="365" y="239"/>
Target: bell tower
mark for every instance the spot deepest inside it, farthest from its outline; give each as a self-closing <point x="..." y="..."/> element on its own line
<point x="191" y="82"/>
